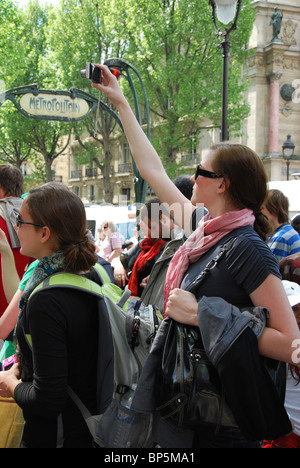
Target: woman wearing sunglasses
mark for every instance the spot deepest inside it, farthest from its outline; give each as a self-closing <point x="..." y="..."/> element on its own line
<point x="61" y="322"/>
<point x="231" y="184"/>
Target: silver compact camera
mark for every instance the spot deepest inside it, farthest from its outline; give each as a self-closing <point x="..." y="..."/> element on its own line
<point x="92" y="73"/>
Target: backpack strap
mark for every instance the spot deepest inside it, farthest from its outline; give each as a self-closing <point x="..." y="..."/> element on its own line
<point x="70" y="280"/>
<point x="104" y="276"/>
<point x="62" y="280"/>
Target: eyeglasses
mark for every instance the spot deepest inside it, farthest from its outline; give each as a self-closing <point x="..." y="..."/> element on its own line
<point x="205" y="173"/>
<point x="19" y="222"/>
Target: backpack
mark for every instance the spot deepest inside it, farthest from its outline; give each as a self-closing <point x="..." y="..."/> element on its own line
<point x="133" y="326"/>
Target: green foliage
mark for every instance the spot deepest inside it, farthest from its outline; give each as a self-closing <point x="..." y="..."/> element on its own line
<point x="172" y="43"/>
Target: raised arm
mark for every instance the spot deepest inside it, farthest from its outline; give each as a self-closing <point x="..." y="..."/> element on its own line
<point x="147" y="160"/>
<point x="10" y="277"/>
<point x="9" y="318"/>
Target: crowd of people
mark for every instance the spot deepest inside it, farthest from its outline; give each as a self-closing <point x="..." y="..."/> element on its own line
<point x="225" y="200"/>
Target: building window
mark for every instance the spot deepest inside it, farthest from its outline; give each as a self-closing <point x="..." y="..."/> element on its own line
<point x="126" y="153"/>
<point x="24" y="169"/>
<point x="92" y="193"/>
<point x="125" y="195"/>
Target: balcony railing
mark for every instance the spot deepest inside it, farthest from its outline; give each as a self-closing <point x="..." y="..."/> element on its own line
<point x="190" y="159"/>
<point x="91" y="172"/>
<point x="77" y="174"/>
<point x="125" y="167"/>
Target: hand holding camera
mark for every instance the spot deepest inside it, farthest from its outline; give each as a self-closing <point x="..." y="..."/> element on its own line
<point x="93" y="73"/>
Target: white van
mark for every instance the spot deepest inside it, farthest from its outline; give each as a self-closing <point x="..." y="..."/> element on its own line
<point x="124" y="217"/>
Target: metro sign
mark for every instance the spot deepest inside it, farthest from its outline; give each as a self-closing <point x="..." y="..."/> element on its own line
<point x="69" y="106"/>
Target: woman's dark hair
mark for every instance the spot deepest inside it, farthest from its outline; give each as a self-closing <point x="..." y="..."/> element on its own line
<point x="247" y="180"/>
<point x="11" y="180"/>
<point x="185" y="185"/>
<point x="296" y="223"/>
<point x="151" y="208"/>
<point x="278" y="205"/>
<point x="56" y="207"/>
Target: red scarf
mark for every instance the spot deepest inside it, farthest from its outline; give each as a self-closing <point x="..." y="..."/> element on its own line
<point x="289" y="441"/>
<point x="150" y="248"/>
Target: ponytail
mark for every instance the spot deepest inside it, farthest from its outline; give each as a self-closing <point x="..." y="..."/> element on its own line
<point x="80" y="256"/>
<point x="262" y="225"/>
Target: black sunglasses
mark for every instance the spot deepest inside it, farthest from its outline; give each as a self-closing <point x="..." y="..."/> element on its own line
<point x="205" y="173"/>
<point x="19" y="222"/>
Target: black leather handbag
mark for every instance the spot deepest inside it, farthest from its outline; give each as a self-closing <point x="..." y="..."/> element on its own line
<point x="190" y="390"/>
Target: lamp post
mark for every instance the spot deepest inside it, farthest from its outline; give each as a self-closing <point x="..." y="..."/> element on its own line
<point x="119" y="67"/>
<point x="288" y="148"/>
<point x="227" y="11"/>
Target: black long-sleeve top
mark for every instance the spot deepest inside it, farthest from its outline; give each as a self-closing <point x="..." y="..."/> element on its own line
<point x="63" y="324"/>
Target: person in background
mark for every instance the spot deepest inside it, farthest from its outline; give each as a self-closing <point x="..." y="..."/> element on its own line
<point x="153" y="292"/>
<point x="140" y="259"/>
<point x="63" y="326"/>
<point x="290" y="268"/>
<point x="10" y="277"/>
<point x="135" y="238"/>
<point x="184" y="184"/>
<point x="11" y="189"/>
<point x="284" y="240"/>
<point x="112" y="244"/>
<point x="295" y="223"/>
<point x="101" y="237"/>
<point x="12" y="286"/>
<point x="292" y="392"/>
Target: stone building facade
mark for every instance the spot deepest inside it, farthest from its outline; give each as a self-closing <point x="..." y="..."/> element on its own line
<point x="274" y="89"/>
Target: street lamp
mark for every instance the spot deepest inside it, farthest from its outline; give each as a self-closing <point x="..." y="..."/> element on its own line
<point x="120" y="67"/>
<point x="288" y="148"/>
<point x="227" y="10"/>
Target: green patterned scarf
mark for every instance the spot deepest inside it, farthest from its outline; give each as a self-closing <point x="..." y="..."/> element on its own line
<point x="54" y="263"/>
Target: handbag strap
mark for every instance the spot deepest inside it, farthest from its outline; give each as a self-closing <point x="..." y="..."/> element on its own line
<point x="178" y="402"/>
<point x="210" y="265"/>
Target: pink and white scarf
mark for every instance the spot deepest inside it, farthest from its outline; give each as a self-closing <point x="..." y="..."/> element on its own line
<point x="209" y="232"/>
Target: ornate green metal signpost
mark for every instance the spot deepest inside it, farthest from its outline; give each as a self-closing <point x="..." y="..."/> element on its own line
<point x="44" y="104"/>
<point x="76" y="105"/>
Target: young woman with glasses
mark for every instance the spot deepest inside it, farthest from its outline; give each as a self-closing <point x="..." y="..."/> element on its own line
<point x="231" y="184"/>
<point x="62" y="324"/>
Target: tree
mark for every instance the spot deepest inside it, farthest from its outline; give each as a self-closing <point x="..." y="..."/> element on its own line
<point x="23" y="137"/>
<point x="13" y="149"/>
<point x="97" y="37"/>
<point x="173" y="44"/>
